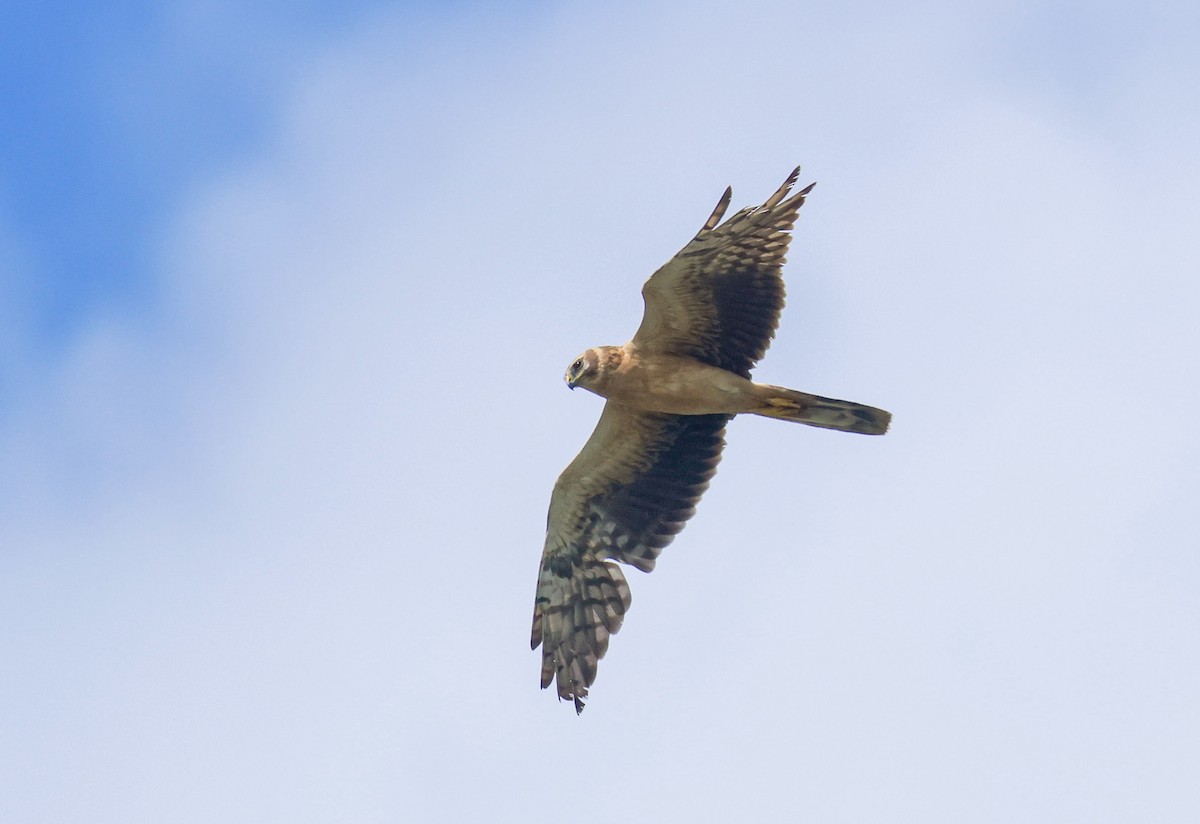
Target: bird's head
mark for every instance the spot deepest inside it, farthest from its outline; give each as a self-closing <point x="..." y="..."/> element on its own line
<point x="583" y="370"/>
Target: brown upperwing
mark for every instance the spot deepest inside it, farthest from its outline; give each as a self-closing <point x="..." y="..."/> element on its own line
<point x="718" y="300"/>
<point x="624" y="497"/>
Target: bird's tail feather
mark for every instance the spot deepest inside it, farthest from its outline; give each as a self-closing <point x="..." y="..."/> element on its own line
<point x="827" y="413"/>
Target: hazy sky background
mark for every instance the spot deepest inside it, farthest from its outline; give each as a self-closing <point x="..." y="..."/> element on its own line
<point x="286" y="294"/>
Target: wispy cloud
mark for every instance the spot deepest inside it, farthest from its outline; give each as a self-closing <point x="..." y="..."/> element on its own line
<point x="270" y="546"/>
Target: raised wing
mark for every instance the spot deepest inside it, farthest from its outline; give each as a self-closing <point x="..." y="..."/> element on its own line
<point x="719" y="299"/>
<point x="624" y="497"/>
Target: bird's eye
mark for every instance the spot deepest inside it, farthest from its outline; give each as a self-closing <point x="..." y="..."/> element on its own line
<point x="577" y="365"/>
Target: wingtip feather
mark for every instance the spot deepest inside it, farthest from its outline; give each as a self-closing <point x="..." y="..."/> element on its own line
<point x="780" y="193"/>
<point x="719" y="211"/>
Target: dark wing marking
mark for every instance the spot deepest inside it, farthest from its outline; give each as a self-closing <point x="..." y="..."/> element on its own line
<point x="624" y="497"/>
<point x="718" y="300"/>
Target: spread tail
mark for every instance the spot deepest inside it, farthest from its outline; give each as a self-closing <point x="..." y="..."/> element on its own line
<point x="827" y="413"/>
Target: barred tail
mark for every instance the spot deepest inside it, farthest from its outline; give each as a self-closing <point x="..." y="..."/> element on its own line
<point x="827" y="413"/>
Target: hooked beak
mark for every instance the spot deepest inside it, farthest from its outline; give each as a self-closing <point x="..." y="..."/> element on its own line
<point x="570" y="383"/>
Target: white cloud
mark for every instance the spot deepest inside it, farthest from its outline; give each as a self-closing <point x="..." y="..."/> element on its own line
<point x="280" y="552"/>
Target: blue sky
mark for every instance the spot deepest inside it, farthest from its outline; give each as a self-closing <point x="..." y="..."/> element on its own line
<point x="114" y="110"/>
<point x="286" y="294"/>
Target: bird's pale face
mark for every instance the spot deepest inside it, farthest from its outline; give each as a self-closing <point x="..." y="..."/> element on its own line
<point x="582" y="369"/>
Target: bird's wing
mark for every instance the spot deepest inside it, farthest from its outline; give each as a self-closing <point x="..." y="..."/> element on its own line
<point x="718" y="300"/>
<point x="624" y="497"/>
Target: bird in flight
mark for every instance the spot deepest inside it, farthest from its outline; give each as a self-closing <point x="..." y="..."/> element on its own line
<point x="710" y="314"/>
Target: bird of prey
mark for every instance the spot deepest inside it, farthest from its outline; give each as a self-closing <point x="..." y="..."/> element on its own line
<point x="710" y="314"/>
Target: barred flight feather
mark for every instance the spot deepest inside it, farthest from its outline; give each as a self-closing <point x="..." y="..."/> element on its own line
<point x="710" y="311"/>
<point x="582" y="595"/>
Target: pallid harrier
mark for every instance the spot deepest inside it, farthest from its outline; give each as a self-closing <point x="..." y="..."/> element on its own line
<point x="711" y="312"/>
